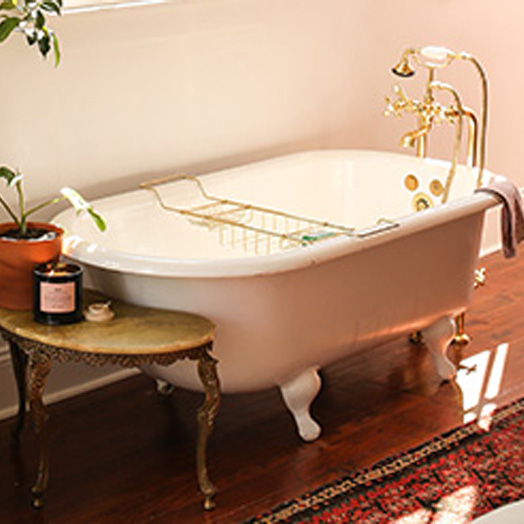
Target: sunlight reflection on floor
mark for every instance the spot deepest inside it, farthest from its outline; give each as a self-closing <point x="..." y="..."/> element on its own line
<point x="456" y="508"/>
<point x="479" y="378"/>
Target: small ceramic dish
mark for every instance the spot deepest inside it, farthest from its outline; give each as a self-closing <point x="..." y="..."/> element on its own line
<point x="99" y="312"/>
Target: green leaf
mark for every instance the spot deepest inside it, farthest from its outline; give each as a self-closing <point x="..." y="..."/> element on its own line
<point x="75" y="199"/>
<point x="11" y="176"/>
<point x="7" y="5"/>
<point x="30" y="35"/>
<point x="16" y="180"/>
<point x="56" y="49"/>
<point x="98" y="219"/>
<point x="7" y="26"/>
<point x="39" y="20"/>
<point x="80" y="204"/>
<point x="44" y="44"/>
<point x="51" y="7"/>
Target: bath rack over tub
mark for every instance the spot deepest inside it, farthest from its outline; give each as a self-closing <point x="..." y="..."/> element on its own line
<point x="256" y="228"/>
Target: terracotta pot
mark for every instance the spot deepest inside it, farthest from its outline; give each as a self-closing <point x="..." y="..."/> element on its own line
<point x="17" y="260"/>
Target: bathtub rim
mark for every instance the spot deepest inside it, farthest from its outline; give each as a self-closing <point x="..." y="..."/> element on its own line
<point x="90" y="253"/>
<point x="86" y="252"/>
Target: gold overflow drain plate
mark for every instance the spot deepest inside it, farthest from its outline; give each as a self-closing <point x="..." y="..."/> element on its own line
<point x="422" y="200"/>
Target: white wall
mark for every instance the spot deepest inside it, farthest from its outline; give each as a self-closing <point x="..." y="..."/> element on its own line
<point x="194" y="84"/>
<point x="203" y="84"/>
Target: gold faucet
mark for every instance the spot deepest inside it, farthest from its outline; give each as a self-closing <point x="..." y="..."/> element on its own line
<point x="428" y="111"/>
<point x="458" y="135"/>
<point x="433" y="58"/>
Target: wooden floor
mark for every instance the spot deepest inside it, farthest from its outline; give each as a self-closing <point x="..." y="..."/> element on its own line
<point x="124" y="454"/>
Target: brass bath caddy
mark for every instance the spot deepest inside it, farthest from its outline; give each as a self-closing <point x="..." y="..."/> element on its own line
<point x="253" y="228"/>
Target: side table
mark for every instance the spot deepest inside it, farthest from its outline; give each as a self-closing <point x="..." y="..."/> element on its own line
<point x="136" y="336"/>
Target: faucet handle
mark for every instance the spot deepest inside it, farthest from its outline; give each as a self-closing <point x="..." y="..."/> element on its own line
<point x="392" y="108"/>
<point x="400" y="104"/>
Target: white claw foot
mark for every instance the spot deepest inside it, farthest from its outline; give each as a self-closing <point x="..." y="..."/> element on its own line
<point x="437" y="338"/>
<point x="298" y="394"/>
<point x="163" y="387"/>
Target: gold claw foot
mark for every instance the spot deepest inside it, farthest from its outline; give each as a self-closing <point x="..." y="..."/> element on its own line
<point x="461" y="338"/>
<point x="480" y="278"/>
<point x="415" y="338"/>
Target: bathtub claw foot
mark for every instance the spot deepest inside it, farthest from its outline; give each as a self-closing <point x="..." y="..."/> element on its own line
<point x="461" y="337"/>
<point x="163" y="387"/>
<point x="298" y="394"/>
<point x="437" y="338"/>
<point x="415" y="338"/>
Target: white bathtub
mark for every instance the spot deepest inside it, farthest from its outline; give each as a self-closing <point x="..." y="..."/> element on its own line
<point x="280" y="317"/>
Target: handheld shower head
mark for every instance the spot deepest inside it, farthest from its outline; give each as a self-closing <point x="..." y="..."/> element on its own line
<point x="435" y="57"/>
<point x="432" y="57"/>
<point x="403" y="67"/>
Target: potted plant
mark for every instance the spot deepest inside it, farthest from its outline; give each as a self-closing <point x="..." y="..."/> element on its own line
<point x="25" y="244"/>
<point x="27" y="17"/>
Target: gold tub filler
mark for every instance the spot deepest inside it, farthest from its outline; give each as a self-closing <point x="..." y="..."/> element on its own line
<point x="257" y="229"/>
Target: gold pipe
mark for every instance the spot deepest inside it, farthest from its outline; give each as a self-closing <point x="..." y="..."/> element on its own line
<point x="409" y="138"/>
<point x="472" y="137"/>
<point x="419" y="135"/>
<point x="461" y="337"/>
<point x="422" y="144"/>
<point x="484" y="112"/>
<point x="458" y="136"/>
<point x="472" y="133"/>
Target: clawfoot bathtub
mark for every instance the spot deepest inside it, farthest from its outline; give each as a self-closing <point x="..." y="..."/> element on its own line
<point x="282" y="314"/>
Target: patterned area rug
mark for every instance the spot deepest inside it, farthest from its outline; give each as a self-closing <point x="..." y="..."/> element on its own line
<point x="452" y="479"/>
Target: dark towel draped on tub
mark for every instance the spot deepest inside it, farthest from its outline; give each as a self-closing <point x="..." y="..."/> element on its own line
<point x="512" y="223"/>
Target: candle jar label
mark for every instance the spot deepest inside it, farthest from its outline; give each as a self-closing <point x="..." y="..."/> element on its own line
<point x="57" y="298"/>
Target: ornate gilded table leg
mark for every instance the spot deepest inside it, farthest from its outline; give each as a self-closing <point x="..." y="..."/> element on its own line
<point x="206" y="418"/>
<point x="39" y="369"/>
<point x="19" y="361"/>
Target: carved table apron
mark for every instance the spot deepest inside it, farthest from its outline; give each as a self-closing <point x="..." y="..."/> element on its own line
<point x="135" y="337"/>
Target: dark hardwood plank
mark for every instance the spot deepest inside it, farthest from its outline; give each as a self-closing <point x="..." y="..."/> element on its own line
<point x="124" y="454"/>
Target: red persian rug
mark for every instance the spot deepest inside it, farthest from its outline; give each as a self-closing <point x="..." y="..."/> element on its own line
<point x="451" y="479"/>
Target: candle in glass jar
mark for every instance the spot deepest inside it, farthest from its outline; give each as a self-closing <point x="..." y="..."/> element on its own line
<point x="57" y="293"/>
